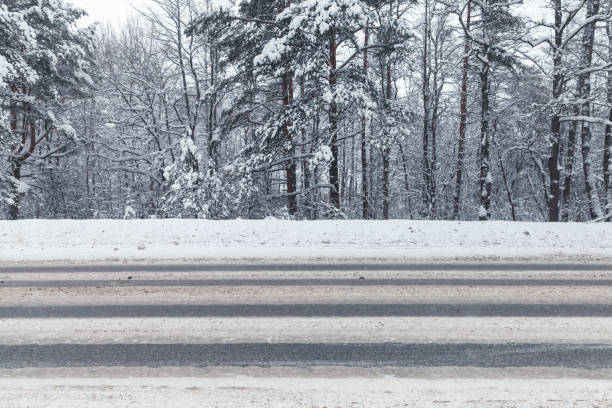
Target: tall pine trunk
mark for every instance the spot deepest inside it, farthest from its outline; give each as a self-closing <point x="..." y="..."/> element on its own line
<point x="569" y="165"/>
<point x="433" y="163"/>
<point x="554" y="195"/>
<point x="27" y="131"/>
<point x="290" y="167"/>
<point x="486" y="179"/>
<point x="426" y="115"/>
<point x="213" y="140"/>
<point x="365" y="206"/>
<point x="572" y="134"/>
<point x="334" y="179"/>
<point x="13" y="207"/>
<point x="607" y="166"/>
<point x="16" y="195"/>
<point x="585" y="82"/>
<point x="386" y="152"/>
<point x="463" y="119"/>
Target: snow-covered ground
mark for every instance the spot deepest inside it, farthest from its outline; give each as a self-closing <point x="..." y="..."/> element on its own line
<point x="190" y="240"/>
<point x="283" y="392"/>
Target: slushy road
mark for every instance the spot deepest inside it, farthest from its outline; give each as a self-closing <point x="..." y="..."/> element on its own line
<point x="385" y="334"/>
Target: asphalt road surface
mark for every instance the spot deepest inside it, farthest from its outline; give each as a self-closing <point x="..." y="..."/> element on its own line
<point x="385" y="335"/>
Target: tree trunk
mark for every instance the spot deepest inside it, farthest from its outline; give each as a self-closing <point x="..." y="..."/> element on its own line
<point x="486" y="179"/>
<point x="351" y="175"/>
<point x="433" y="163"/>
<point x="426" y="116"/>
<point x="290" y="168"/>
<point x="587" y="160"/>
<point x="463" y="120"/>
<point x="16" y="196"/>
<point x="608" y="158"/>
<point x="507" y="185"/>
<point x="24" y="151"/>
<point x="386" y="151"/>
<point x="315" y="195"/>
<point x="365" y="206"/>
<point x="385" y="183"/>
<point x="554" y="195"/>
<point x="373" y="173"/>
<point x="213" y="141"/>
<point x="343" y="173"/>
<point x="569" y="167"/>
<point x="608" y="136"/>
<point x="406" y="181"/>
<point x="306" y="175"/>
<point x="334" y="193"/>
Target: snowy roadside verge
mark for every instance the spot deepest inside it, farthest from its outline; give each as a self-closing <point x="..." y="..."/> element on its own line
<point x="355" y="392"/>
<point x="72" y="241"/>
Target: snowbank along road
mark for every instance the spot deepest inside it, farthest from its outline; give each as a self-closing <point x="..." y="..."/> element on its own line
<point x="174" y="240"/>
<point x="311" y="335"/>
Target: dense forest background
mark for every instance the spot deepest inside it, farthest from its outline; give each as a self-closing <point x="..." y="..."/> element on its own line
<point x="308" y="109"/>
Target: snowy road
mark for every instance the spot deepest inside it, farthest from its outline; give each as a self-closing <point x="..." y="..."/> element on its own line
<point x="313" y="335"/>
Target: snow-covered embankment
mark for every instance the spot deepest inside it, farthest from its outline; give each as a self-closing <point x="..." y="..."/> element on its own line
<point x="395" y="240"/>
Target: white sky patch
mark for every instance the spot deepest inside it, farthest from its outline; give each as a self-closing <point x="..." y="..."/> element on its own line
<point x="109" y="11"/>
<point x="115" y="11"/>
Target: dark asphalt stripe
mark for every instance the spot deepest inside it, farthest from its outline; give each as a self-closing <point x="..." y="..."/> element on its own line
<point x="258" y="267"/>
<point x="354" y="355"/>
<point x="310" y="310"/>
<point x="305" y="282"/>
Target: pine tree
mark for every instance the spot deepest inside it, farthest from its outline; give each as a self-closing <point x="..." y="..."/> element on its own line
<point x="310" y="31"/>
<point x="17" y="39"/>
<point x="49" y="59"/>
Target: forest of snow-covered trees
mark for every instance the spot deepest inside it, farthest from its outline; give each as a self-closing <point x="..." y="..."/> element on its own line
<point x="308" y="109"/>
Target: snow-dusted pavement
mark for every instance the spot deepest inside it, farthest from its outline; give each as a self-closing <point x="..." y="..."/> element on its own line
<point x="311" y="335"/>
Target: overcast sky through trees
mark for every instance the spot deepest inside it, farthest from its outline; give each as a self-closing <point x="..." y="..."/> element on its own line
<point x="111" y="10"/>
<point x="108" y="10"/>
